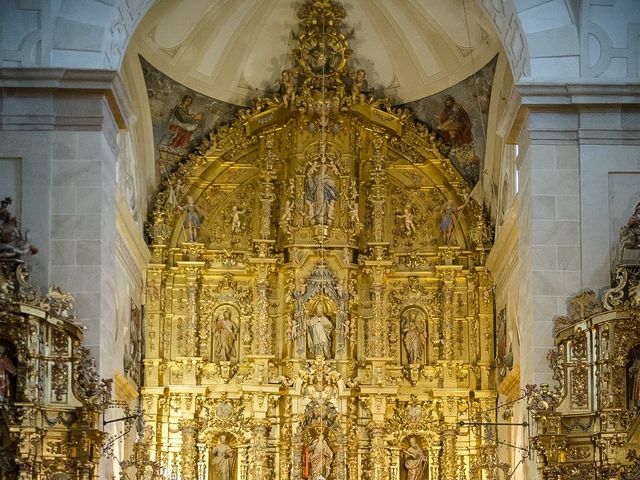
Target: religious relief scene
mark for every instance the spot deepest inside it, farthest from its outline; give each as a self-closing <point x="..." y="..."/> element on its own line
<point x="319" y="240"/>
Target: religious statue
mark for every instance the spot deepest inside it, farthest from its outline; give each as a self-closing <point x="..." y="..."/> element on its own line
<point x="630" y="234"/>
<point x="287" y="216"/>
<point x="13" y="242"/>
<point x="321" y="196"/>
<point x="222" y="460"/>
<point x="191" y="220"/>
<point x="320" y="458"/>
<point x="409" y="225"/>
<point x="289" y="87"/>
<point x="236" y="222"/>
<point x="415" y="461"/>
<point x="7" y="370"/>
<point x="633" y="389"/>
<point x="224" y="336"/>
<point x="319" y="329"/>
<point x="447" y="222"/>
<point x="415" y="336"/>
<point x="182" y="124"/>
<point x="359" y="86"/>
<point x="455" y="125"/>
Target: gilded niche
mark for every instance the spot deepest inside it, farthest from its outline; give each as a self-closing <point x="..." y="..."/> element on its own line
<point x="318" y="304"/>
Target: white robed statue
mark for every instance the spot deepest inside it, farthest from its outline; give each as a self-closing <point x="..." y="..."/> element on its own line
<point x="319" y="329"/>
<point x="321" y="196"/>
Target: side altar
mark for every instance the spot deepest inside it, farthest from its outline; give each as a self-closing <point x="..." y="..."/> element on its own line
<point x="317" y="303"/>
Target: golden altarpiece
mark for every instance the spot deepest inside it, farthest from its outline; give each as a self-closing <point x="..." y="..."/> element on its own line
<point x="317" y="300"/>
<point x="51" y="397"/>
<point x="587" y="427"/>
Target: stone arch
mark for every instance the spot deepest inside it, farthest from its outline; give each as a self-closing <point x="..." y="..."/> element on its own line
<point x="92" y="34"/>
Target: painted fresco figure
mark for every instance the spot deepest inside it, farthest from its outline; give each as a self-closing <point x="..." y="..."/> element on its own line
<point x="222" y="460"/>
<point x="321" y="196"/>
<point x="415" y="461"/>
<point x="319" y="329"/>
<point x="320" y="458"/>
<point x="182" y="123"/>
<point x="224" y="336"/>
<point x="455" y="125"/>
<point x="415" y="336"/>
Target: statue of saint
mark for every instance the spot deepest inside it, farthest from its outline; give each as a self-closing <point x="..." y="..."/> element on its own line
<point x="319" y="330"/>
<point x="630" y="234"/>
<point x="634" y="380"/>
<point x="321" y="196"/>
<point x="224" y="336"/>
<point x="7" y="369"/>
<point x="415" y="336"/>
<point x="191" y="222"/>
<point x="320" y="458"/>
<point x="448" y="221"/>
<point x="222" y="460"/>
<point x="415" y="461"/>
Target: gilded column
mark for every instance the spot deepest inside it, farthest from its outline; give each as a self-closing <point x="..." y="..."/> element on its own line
<point x="378" y="460"/>
<point x="448" y="285"/>
<point x="190" y="335"/>
<point x="378" y="190"/>
<point x="297" y="463"/>
<point x="267" y="193"/>
<point x="449" y="459"/>
<point x="189" y="451"/>
<point x="258" y="466"/>
<point x="378" y="330"/>
<point x="261" y="330"/>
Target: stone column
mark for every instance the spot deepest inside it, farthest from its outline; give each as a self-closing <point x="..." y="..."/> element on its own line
<point x="578" y="173"/>
<point x="59" y="132"/>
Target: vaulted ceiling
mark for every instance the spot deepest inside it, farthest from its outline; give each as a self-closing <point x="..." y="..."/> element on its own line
<point x="234" y="49"/>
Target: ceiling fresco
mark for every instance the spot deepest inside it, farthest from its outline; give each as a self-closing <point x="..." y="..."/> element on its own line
<point x="458" y="114"/>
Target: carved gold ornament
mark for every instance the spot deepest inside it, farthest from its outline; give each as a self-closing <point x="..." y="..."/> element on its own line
<point x="332" y="316"/>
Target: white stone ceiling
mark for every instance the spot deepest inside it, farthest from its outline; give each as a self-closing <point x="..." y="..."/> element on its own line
<point x="234" y="49"/>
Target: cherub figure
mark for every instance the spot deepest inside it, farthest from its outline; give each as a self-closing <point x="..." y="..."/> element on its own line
<point x="359" y="86"/>
<point x="409" y="225"/>
<point x="236" y="222"/>
<point x="288" y="81"/>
